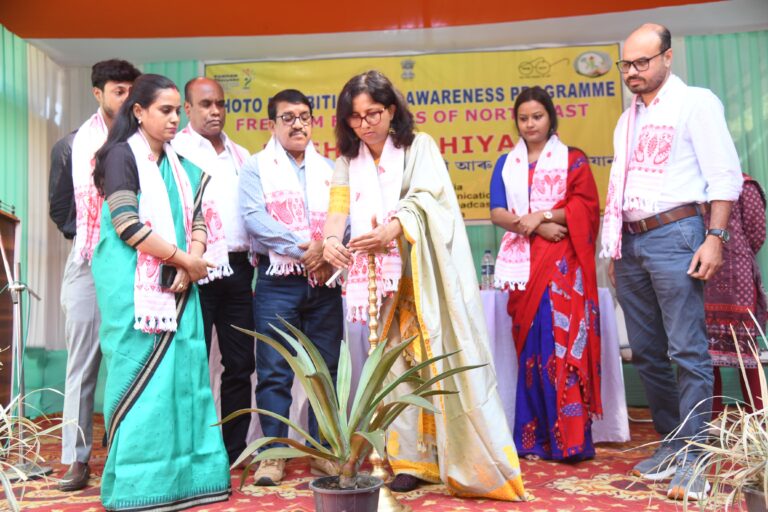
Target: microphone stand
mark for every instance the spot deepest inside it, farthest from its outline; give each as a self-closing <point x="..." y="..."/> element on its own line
<point x="24" y="469"/>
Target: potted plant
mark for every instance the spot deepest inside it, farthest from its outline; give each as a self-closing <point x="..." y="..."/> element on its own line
<point x="350" y="435"/>
<point x="735" y="460"/>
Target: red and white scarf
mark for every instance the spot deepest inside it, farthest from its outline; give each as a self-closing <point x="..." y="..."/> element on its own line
<point x="637" y="174"/>
<point x="513" y="263"/>
<point x="88" y="202"/>
<point x="155" y="307"/>
<point x="374" y="190"/>
<point x="187" y="144"/>
<point x="284" y="198"/>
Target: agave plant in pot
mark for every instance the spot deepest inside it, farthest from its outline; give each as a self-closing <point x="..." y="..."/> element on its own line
<point x="350" y="430"/>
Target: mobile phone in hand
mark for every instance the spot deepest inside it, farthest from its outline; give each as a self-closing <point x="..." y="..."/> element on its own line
<point x="167" y="275"/>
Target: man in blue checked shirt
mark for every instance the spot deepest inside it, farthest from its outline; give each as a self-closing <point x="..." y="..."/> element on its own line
<point x="284" y="194"/>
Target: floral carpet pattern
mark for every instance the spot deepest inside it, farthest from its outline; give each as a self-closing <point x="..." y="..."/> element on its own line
<point x="600" y="484"/>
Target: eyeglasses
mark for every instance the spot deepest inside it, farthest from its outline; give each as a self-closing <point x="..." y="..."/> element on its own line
<point x="372" y="118"/>
<point x="289" y="118"/>
<point x="640" y="64"/>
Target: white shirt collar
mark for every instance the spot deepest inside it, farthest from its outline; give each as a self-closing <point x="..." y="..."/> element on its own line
<point x="202" y="141"/>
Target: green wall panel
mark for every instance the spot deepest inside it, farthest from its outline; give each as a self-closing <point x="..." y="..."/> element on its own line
<point x="735" y="68"/>
<point x="14" y="144"/>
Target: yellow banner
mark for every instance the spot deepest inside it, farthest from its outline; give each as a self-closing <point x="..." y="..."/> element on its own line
<point x="464" y="100"/>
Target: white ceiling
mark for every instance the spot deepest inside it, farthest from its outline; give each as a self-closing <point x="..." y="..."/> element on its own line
<point x="710" y="18"/>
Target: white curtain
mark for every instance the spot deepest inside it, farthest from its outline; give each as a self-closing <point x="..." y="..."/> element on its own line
<point x="59" y="100"/>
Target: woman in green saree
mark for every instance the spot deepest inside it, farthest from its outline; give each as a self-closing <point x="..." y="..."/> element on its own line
<point x="163" y="452"/>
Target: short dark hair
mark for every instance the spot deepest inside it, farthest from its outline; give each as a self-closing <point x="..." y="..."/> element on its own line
<point x="288" y="96"/>
<point x="665" y="38"/>
<point x="113" y="70"/>
<point x="381" y="91"/>
<point x="536" y="93"/>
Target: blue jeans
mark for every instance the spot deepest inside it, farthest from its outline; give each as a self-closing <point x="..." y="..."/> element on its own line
<point x="664" y="311"/>
<point x="317" y="312"/>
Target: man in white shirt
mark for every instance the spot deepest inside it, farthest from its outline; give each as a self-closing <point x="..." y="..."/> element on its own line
<point x="674" y="159"/>
<point x="226" y="301"/>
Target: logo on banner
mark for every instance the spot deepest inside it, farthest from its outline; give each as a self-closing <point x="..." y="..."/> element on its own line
<point x="592" y="64"/>
<point x="407" y="66"/>
<point x="538" y="68"/>
<point x="227" y="81"/>
<point x="247" y="78"/>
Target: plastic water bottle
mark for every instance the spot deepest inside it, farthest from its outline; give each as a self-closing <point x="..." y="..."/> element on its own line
<point x="486" y="271"/>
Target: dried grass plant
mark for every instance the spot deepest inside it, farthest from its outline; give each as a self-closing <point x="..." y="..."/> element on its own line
<point x="735" y="458"/>
<point x="20" y="442"/>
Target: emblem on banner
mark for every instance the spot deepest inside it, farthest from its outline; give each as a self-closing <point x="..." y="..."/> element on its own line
<point x="537" y="68"/>
<point x="407" y="66"/>
<point x="247" y="78"/>
<point x="592" y="64"/>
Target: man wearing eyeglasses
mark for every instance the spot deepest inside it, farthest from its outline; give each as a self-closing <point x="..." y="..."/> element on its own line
<point x="674" y="160"/>
<point x="226" y="299"/>
<point x="284" y="195"/>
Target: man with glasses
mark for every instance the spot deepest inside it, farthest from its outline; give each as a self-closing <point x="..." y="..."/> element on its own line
<point x="674" y="160"/>
<point x="284" y="195"/>
<point x="226" y="298"/>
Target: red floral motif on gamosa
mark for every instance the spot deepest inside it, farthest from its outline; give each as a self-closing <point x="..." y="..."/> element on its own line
<point x="654" y="144"/>
<point x="212" y="219"/>
<point x="665" y="147"/>
<point x="288" y="211"/>
<point x="148" y="265"/>
<point x="555" y="183"/>
<point x="513" y="243"/>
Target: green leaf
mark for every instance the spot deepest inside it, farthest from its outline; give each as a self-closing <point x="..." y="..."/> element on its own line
<point x="383" y="413"/>
<point x="281" y="452"/>
<point x="326" y="408"/>
<point x="394" y="412"/>
<point x="326" y="413"/>
<point x="301" y="353"/>
<point x="436" y="392"/>
<point x="255" y="446"/>
<point x="344" y="385"/>
<point x="412" y="373"/>
<point x="312" y="351"/>
<point x="363" y="383"/>
<point x="445" y="375"/>
<point x="372" y="379"/>
<point x="303" y="433"/>
<point x="301" y="368"/>
<point x="375" y="437"/>
<point x="418" y="402"/>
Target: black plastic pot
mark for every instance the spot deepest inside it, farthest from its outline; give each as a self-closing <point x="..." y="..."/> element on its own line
<point x="755" y="499"/>
<point x="364" y="499"/>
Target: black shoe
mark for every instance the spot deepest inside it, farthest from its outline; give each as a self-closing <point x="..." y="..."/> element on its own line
<point x="405" y="483"/>
<point x="75" y="478"/>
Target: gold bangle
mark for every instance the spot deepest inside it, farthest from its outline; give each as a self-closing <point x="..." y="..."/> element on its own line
<point x="205" y="246"/>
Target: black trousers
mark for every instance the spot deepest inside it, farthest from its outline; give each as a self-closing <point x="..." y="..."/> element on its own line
<point x="226" y="302"/>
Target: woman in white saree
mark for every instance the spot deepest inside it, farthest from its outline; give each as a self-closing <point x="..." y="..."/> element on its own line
<point x="393" y="185"/>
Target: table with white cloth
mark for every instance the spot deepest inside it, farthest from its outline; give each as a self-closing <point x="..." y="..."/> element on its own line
<point x="614" y="425"/>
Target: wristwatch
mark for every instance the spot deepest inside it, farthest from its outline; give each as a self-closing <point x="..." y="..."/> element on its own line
<point x="722" y="234"/>
<point x="547" y="215"/>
